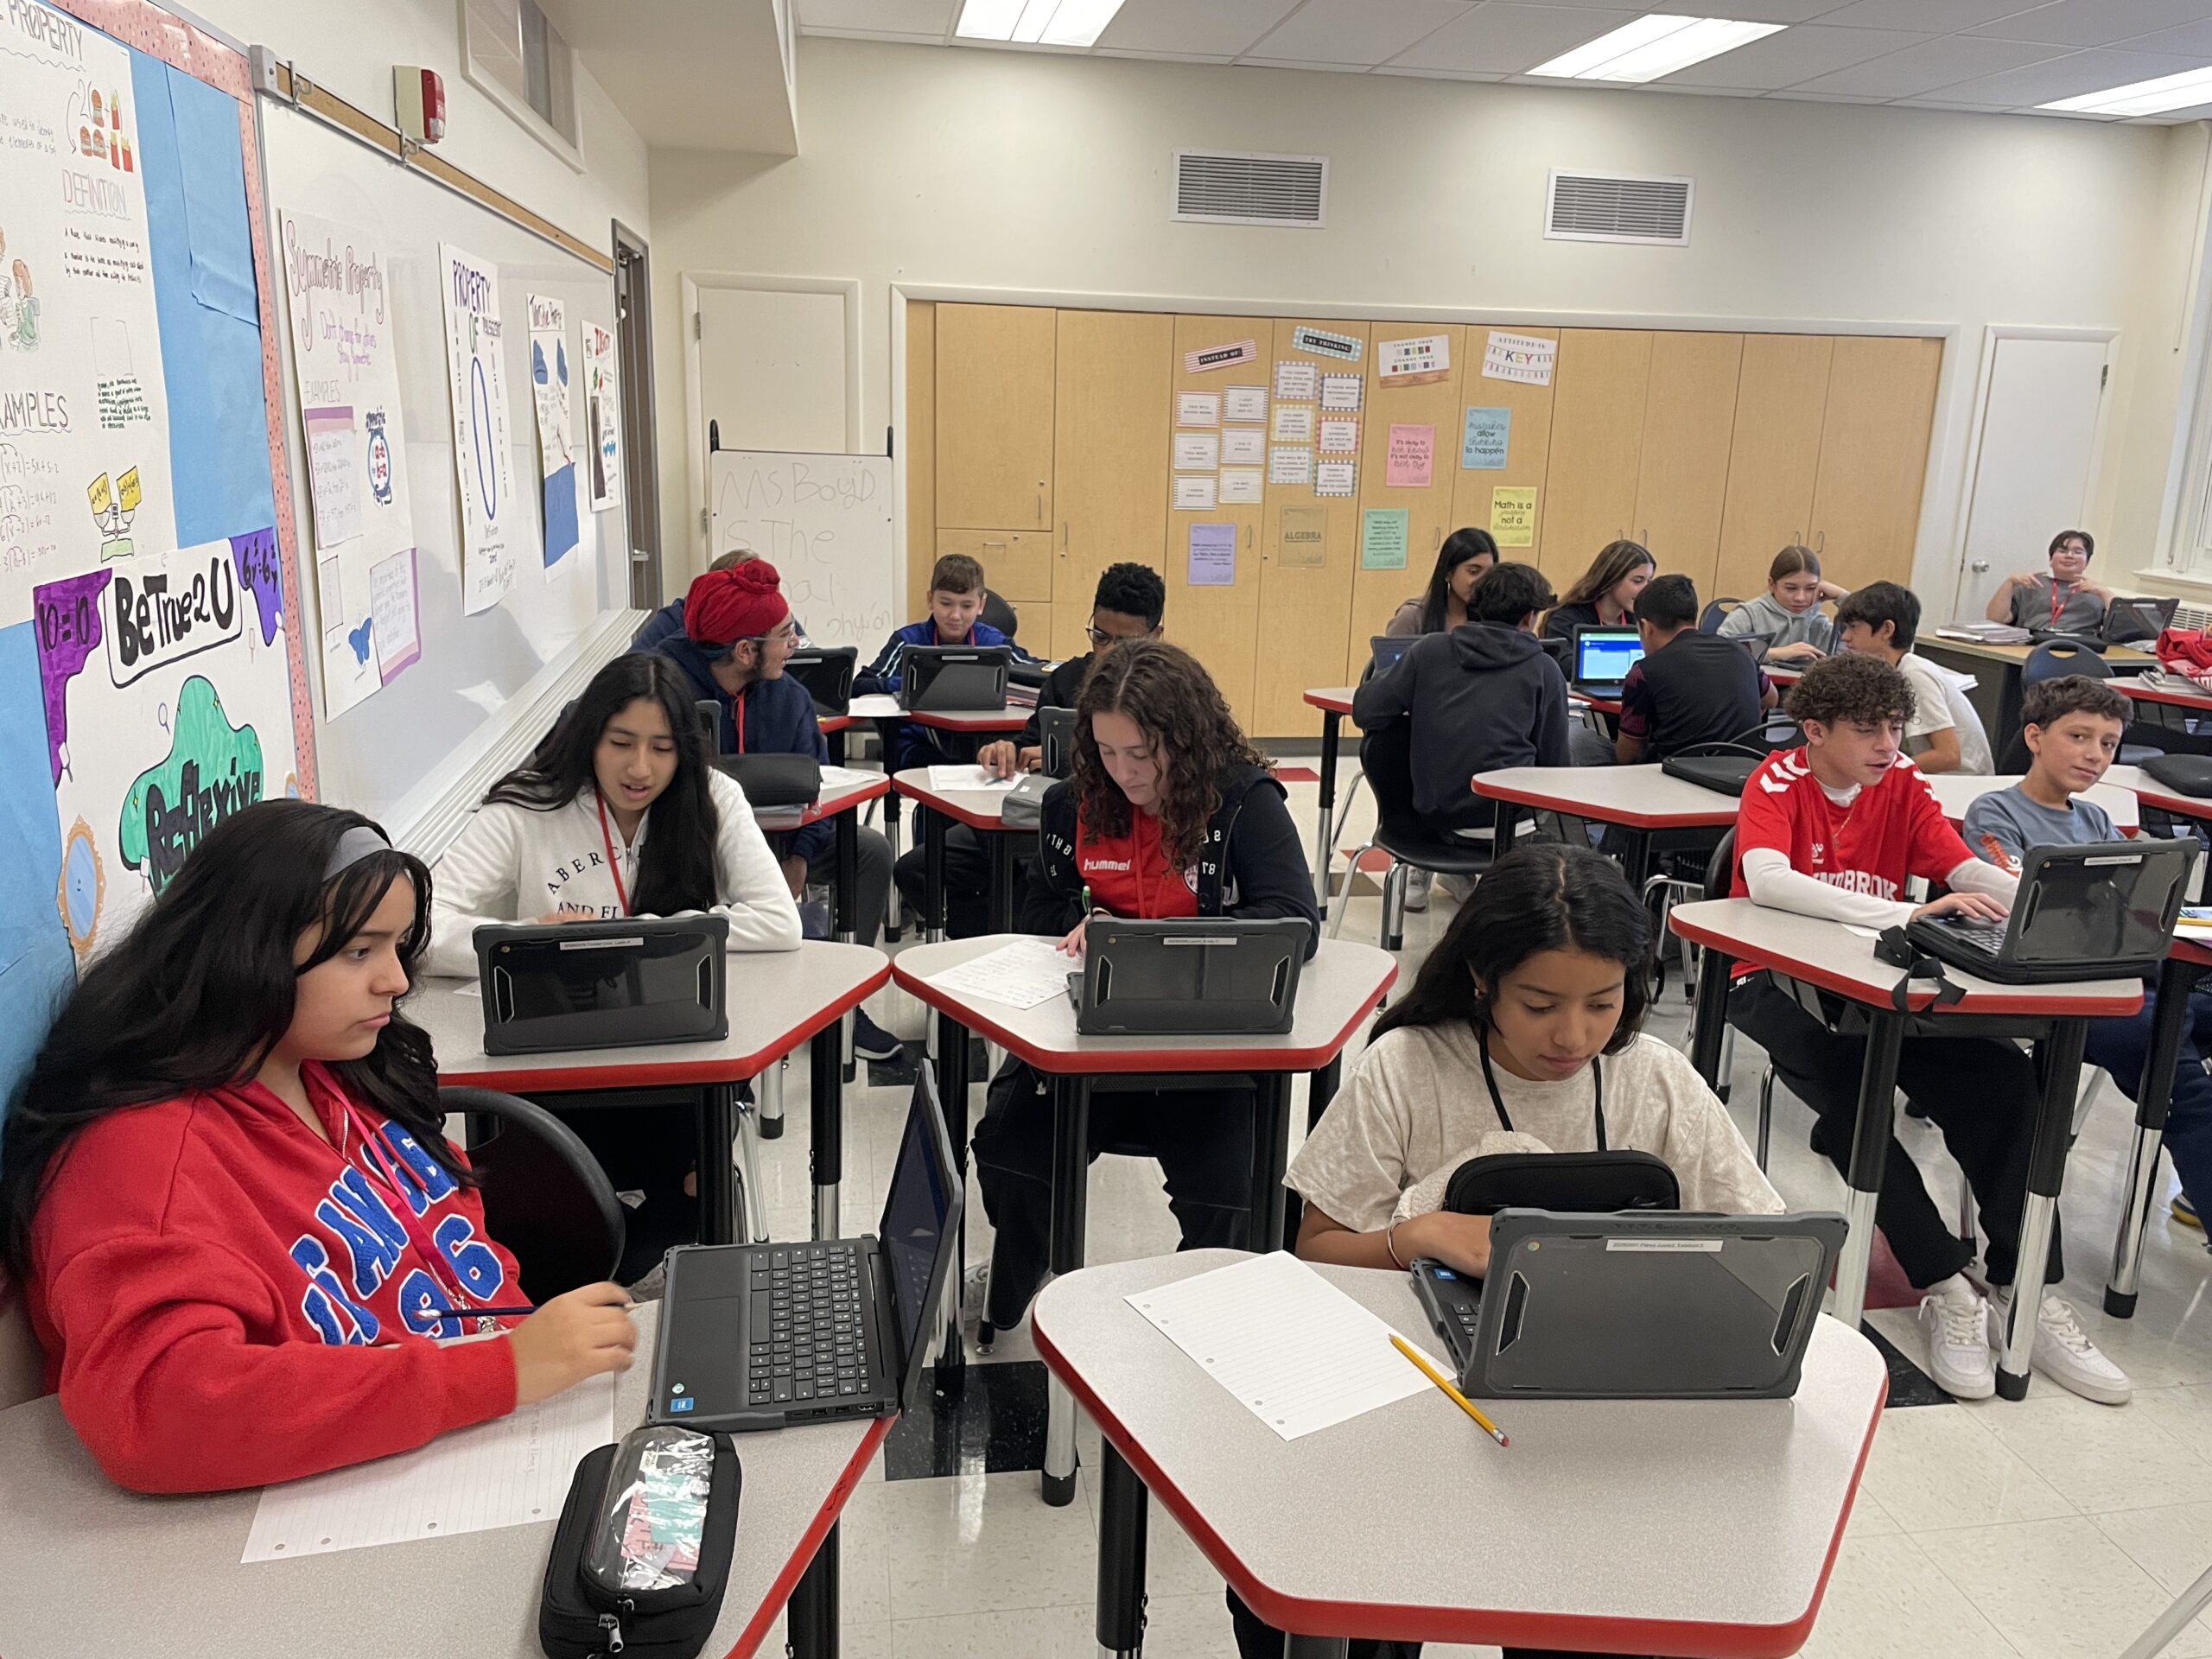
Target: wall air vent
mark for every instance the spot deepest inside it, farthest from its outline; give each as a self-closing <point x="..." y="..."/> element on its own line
<point x="1618" y="207"/>
<point x="1223" y="187"/>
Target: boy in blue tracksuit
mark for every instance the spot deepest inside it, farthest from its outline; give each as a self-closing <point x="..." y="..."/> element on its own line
<point x="737" y="634"/>
<point x="955" y="619"/>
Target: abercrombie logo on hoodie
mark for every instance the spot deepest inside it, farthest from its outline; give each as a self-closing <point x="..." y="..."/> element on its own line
<point x="362" y="1243"/>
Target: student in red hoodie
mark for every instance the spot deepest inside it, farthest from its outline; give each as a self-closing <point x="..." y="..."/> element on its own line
<point x="227" y="1191"/>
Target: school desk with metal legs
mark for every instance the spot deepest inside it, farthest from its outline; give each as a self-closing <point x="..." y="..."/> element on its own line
<point x="778" y="1000"/>
<point x="173" y="1583"/>
<point x="882" y="710"/>
<point x="1337" y="991"/>
<point x="1690" y="1527"/>
<point x="1659" y="813"/>
<point x="1995" y="670"/>
<point x="1335" y="703"/>
<point x="1808" y="955"/>
<point x="979" y="808"/>
<point x="2186" y="962"/>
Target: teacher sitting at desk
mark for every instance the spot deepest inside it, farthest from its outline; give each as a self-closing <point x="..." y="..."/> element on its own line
<point x="2064" y="600"/>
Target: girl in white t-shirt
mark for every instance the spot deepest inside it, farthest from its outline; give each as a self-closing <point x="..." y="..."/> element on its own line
<point x="1521" y="1034"/>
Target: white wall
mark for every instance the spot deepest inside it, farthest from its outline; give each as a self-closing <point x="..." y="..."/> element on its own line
<point x="1051" y="173"/>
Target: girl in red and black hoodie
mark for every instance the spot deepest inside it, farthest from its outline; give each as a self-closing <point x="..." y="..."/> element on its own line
<point x="1169" y="812"/>
<point x="226" y="1188"/>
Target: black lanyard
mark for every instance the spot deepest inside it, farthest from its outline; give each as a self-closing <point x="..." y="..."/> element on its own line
<point x="1597" y="1085"/>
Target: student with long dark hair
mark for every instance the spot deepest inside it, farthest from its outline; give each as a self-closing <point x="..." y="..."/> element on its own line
<point x="1604" y="596"/>
<point x="617" y="812"/>
<point x="1467" y="554"/>
<point x="226" y="1187"/>
<point x="1170" y="812"/>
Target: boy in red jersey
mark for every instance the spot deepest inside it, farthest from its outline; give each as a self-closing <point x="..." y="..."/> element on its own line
<point x="1834" y="829"/>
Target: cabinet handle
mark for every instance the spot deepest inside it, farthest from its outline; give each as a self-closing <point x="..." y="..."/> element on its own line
<point x="1040" y="506"/>
<point x="1063" y="538"/>
<point x="998" y="544"/>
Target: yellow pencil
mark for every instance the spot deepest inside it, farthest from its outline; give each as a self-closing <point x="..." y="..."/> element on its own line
<point x="1456" y="1397"/>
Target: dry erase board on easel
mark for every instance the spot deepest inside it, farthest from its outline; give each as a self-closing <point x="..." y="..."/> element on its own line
<point x="149" y="642"/>
<point x="824" y="521"/>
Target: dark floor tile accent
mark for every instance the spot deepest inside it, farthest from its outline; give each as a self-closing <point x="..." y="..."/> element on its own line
<point x="989" y="1420"/>
<point x="886" y="1074"/>
<point x="1909" y="1384"/>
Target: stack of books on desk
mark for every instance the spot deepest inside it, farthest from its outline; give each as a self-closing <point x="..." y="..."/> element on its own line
<point x="1984" y="634"/>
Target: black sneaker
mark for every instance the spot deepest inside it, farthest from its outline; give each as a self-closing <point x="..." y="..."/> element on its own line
<point x="871" y="1041"/>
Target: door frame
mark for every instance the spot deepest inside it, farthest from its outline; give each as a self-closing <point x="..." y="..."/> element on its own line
<point x="695" y="531"/>
<point x="640" y="434"/>
<point x="1985" y="379"/>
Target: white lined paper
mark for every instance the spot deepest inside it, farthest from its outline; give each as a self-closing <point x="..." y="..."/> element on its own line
<point x="1021" y="974"/>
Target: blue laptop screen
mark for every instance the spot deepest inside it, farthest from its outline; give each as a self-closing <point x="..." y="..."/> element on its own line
<point x="1605" y="658"/>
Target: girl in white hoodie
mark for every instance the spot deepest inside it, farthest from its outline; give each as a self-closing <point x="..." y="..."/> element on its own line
<point x="617" y="812"/>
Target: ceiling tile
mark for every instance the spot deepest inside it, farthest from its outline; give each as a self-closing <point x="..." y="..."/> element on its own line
<point x="907" y="17"/>
<point x="1508" y="38"/>
<point x="1934" y="16"/>
<point x="2066" y="77"/>
<point x="1922" y="68"/>
<point x="1436" y="75"/>
<point x="1794" y="54"/>
<point x="1355" y="31"/>
<point x="1753" y="11"/>
<point x="2094" y="23"/>
<point x="1219" y="29"/>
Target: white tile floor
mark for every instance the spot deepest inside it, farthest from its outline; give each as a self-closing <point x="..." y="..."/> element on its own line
<point x="2052" y="1529"/>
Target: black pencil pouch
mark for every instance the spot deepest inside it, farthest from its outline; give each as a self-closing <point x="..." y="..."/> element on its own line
<point x="641" y="1557"/>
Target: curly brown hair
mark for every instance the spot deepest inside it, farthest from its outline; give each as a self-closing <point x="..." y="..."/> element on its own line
<point x="1184" y="716"/>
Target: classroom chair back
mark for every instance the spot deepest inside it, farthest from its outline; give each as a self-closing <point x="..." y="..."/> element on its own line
<point x="545" y="1197"/>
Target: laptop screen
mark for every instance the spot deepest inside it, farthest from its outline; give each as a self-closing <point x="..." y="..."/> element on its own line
<point x="1386" y="649"/>
<point x="1603" y="656"/>
<point x="2109" y="902"/>
<point x="917" y="1211"/>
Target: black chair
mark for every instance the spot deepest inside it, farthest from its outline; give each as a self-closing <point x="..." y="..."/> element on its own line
<point x="1386" y="761"/>
<point x="545" y="1198"/>
<point x="1710" y="618"/>
<point x="2055" y="658"/>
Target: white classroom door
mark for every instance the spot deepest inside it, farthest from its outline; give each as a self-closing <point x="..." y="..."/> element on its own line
<point x="2038" y="461"/>
<point x="772" y="369"/>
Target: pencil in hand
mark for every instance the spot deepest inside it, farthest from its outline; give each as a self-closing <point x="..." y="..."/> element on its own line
<point x="1451" y="1393"/>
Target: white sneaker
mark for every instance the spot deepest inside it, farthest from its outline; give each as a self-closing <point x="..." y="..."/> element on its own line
<point x="2062" y="1351"/>
<point x="1417" y="884"/>
<point x="974" y="1291"/>
<point x="1958" y="1343"/>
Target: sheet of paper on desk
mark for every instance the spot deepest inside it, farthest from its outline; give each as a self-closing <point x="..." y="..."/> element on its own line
<point x="508" y="1472"/>
<point x="967" y="777"/>
<point x="1020" y="975"/>
<point x="1299" y="1353"/>
<point x="847" y="777"/>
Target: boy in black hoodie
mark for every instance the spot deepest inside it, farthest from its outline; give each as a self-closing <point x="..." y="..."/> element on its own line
<point x="1483" y="695"/>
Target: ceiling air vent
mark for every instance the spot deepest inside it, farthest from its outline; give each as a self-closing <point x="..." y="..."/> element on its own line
<point x="1618" y="207"/>
<point x="1221" y="188"/>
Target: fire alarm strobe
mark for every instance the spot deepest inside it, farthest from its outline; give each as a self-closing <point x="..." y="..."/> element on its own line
<point x="419" y="98"/>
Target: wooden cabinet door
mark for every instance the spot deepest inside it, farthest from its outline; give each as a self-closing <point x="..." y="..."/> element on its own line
<point x="1435" y="405"/>
<point x="1112" y="412"/>
<point x="1305" y="592"/>
<point x="1781" y="402"/>
<point x="1218" y="623"/>
<point x="1690" y="418"/>
<point x="1873" y="457"/>
<point x="918" y="445"/>
<point x="1527" y="444"/>
<point x="994" y="417"/>
<point x="1017" y="567"/>
<point x="1603" y="376"/>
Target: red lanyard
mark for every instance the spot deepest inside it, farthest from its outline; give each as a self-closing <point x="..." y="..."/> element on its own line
<point x="737" y="712"/>
<point x="2058" y="601"/>
<point x="614" y="864"/>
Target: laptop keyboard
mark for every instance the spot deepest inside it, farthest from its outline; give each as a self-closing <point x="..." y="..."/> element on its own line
<point x="1989" y="936"/>
<point x="809" y="1325"/>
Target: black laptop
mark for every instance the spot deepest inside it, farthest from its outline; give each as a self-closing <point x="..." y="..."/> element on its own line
<point x="757" y="1335"/>
<point x="1192" y="975"/>
<point x="1383" y="650"/>
<point x="827" y="672"/>
<point x="2136" y="618"/>
<point x="1639" y="1306"/>
<point x="1056" y="736"/>
<point x="1603" y="657"/>
<point x="549" y="986"/>
<point x="2102" y="911"/>
<point x="953" y="679"/>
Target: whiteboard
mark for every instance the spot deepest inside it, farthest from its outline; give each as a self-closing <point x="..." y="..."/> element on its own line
<point x="389" y="754"/>
<point x="824" y="522"/>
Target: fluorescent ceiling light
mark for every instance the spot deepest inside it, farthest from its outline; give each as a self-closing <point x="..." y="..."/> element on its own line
<point x="1652" y="45"/>
<point x="2180" y="92"/>
<point x="1053" y="22"/>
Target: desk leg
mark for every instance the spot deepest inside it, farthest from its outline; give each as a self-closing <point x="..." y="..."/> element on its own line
<point x="812" y="1614"/>
<point x="2054" y="1131"/>
<point x="836" y="742"/>
<point x="1331" y="731"/>
<point x="845" y="923"/>
<point x="826" y="1101"/>
<point x="894" y="920"/>
<point x="1316" y="1647"/>
<point x="2154" y="1095"/>
<point x="717" y="1189"/>
<point x="951" y="1064"/>
<point x="770" y="1083"/>
<point x="1000" y="845"/>
<point x="1870" y="1147"/>
<point x="1270" y="1155"/>
<point x="1071" y="1196"/>
<point x="1121" y="1511"/>
<point x="931" y="827"/>
<point x="1709" y="1021"/>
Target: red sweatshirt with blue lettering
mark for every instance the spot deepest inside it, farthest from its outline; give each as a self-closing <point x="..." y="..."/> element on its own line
<point x="226" y="1300"/>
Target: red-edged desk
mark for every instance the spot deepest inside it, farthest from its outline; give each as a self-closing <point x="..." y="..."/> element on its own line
<point x="1338" y="989"/>
<point x="883" y="710"/>
<point x="979" y="810"/>
<point x="2150" y="792"/>
<point x="1828" y="957"/>
<point x="1679" y="1526"/>
<point x="1335" y="703"/>
<point x="776" y="1000"/>
<point x="1660" y="813"/>
<point x="840" y="801"/>
<point x="180" y="1587"/>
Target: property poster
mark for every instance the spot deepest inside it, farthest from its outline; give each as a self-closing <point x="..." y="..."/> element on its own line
<point x="483" y="460"/>
<point x="603" y="414"/>
<point x="556" y="450"/>
<point x="335" y="288"/>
